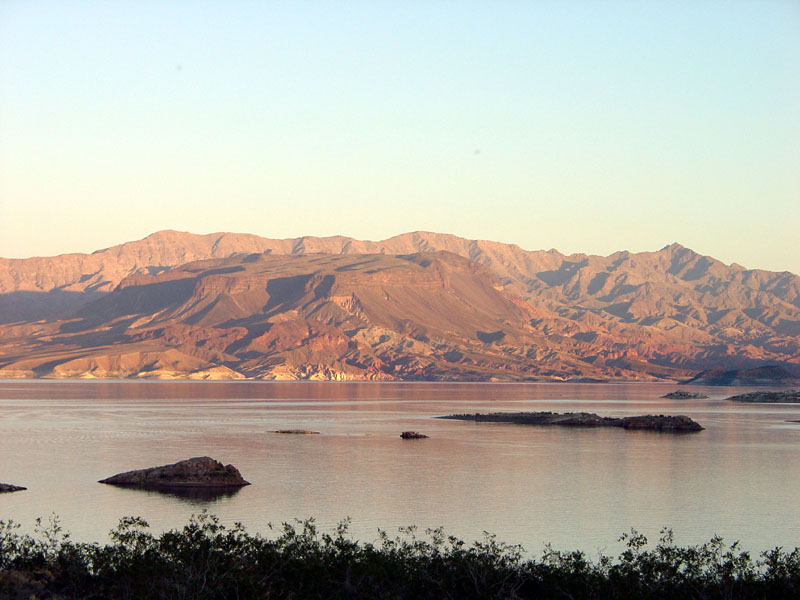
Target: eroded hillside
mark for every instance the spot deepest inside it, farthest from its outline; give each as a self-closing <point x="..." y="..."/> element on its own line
<point x="231" y="305"/>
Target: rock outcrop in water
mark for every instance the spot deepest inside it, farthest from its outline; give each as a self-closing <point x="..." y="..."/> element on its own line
<point x="201" y="471"/>
<point x="679" y="423"/>
<point x="790" y="396"/>
<point x="413" y="435"/>
<point x="296" y="431"/>
<point x="683" y="395"/>
<point x="7" y="487"/>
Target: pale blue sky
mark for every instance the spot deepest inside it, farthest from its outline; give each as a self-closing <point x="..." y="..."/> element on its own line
<point x="582" y="126"/>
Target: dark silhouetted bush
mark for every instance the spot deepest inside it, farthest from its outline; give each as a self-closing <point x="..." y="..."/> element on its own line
<point x="205" y="560"/>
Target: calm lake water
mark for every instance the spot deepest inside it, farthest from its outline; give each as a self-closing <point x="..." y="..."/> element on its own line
<point x="576" y="488"/>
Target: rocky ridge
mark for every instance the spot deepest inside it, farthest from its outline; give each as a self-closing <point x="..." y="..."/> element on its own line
<point x="422" y="316"/>
<point x="647" y="315"/>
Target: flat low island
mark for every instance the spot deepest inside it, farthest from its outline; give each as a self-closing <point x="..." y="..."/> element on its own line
<point x="678" y="423"/>
<point x="684" y="395"/>
<point x="786" y="396"/>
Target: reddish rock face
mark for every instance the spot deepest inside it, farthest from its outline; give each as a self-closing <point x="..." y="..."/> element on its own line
<point x="201" y="471"/>
<point x="416" y="306"/>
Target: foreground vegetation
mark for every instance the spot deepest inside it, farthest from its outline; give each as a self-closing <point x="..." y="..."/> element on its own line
<point x="204" y="559"/>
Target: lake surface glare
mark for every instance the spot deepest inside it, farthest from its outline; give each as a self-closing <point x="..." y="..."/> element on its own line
<point x="575" y="488"/>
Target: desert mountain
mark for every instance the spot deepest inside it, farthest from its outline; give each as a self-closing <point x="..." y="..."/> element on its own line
<point x="419" y="305"/>
<point x="320" y="316"/>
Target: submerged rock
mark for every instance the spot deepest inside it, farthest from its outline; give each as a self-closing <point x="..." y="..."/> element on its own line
<point x="679" y="423"/>
<point x="201" y="471"/>
<point x="7" y="487"/>
<point x="791" y="396"/>
<point x="683" y="395"/>
<point x="413" y="435"/>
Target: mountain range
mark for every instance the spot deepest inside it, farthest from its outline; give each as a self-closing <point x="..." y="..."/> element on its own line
<point x="419" y="306"/>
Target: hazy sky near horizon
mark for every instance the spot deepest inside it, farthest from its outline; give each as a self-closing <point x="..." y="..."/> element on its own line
<point x="582" y="126"/>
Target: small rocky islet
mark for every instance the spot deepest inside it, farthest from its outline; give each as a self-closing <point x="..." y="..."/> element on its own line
<point x="7" y="487"/>
<point x="678" y="423"/>
<point x="788" y="396"/>
<point x="413" y="435"/>
<point x="198" y="472"/>
<point x="684" y="395"/>
<point x="296" y="431"/>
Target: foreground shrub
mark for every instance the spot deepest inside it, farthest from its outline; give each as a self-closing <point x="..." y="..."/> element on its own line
<point x="205" y="560"/>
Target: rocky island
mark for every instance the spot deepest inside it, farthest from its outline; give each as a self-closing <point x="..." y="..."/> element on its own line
<point x="198" y="472"/>
<point x="679" y="423"/>
<point x="683" y="395"/>
<point x="7" y="487"/>
<point x="789" y="396"/>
